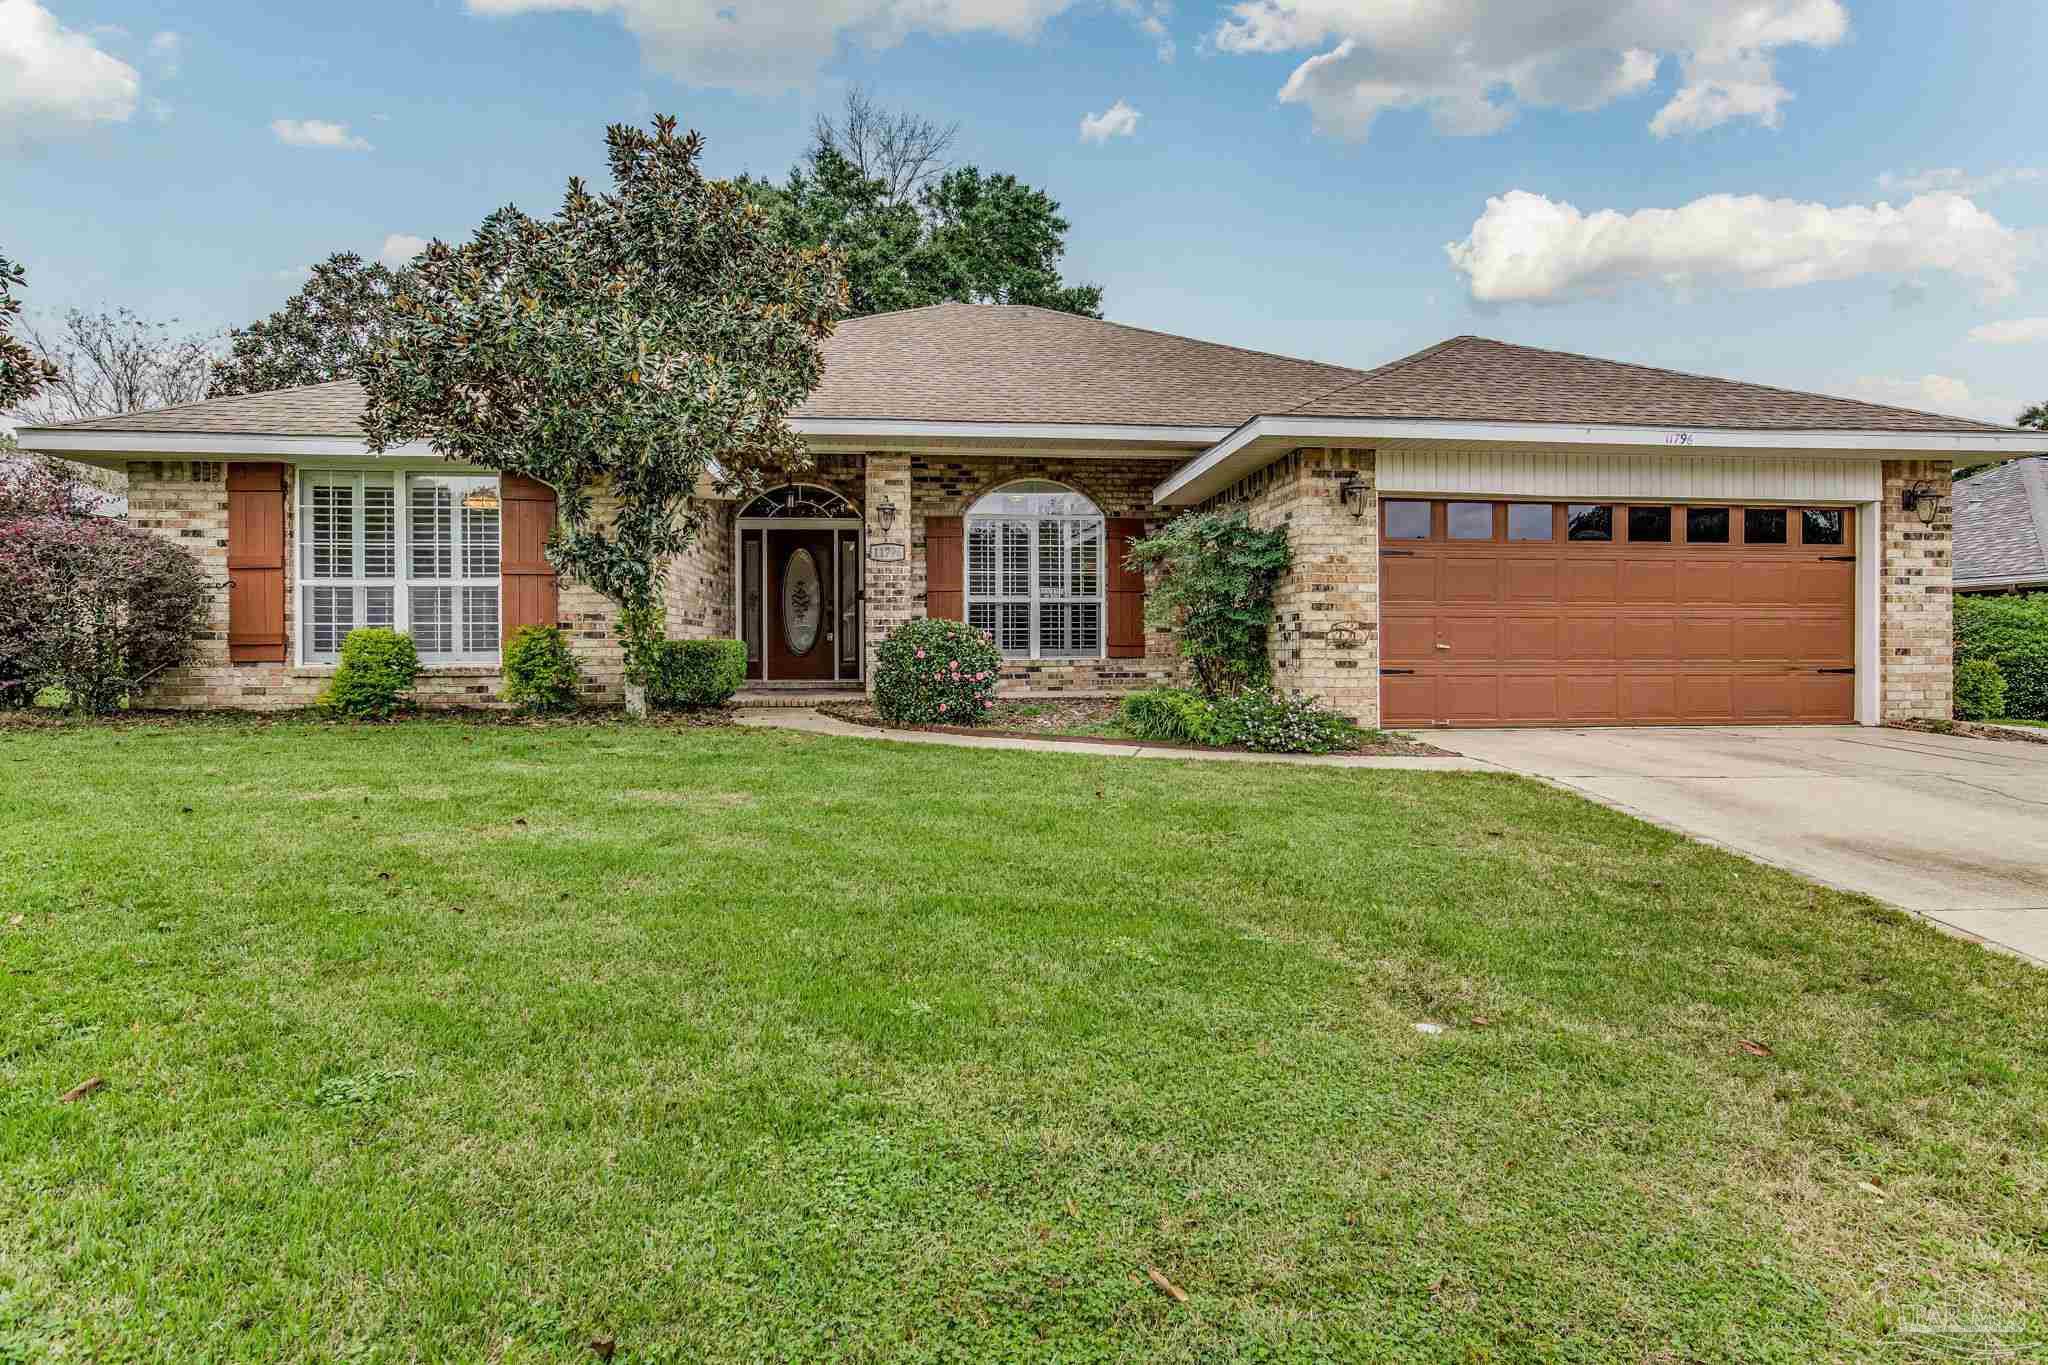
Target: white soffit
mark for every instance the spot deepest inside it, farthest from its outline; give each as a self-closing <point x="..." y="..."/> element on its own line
<point x="1575" y="474"/>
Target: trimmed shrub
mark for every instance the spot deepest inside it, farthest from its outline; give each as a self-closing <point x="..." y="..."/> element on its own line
<point x="2011" y="632"/>
<point x="378" y="666"/>
<point x="90" y="606"/>
<point x="693" y="672"/>
<point x="936" y="673"/>
<point x="1213" y="578"/>
<point x="1273" y="722"/>
<point x="1980" y="691"/>
<point x="1169" y="715"/>
<point x="541" y="674"/>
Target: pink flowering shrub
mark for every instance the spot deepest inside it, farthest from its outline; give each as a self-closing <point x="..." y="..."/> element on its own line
<point x="935" y="673"/>
<point x="88" y="604"/>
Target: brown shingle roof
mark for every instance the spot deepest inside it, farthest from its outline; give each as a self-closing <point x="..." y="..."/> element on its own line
<point x="1477" y="379"/>
<point x="2001" y="524"/>
<point x="957" y="362"/>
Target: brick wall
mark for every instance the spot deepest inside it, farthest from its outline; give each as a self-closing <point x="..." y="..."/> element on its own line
<point x="947" y="487"/>
<point x="1325" y="638"/>
<point x="186" y="503"/>
<point x="699" y="591"/>
<point x="1916" y="628"/>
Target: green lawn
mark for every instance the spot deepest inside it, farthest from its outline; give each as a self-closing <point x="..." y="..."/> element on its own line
<point x="448" y="1042"/>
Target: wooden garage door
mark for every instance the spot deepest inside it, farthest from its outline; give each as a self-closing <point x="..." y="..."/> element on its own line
<point x="1497" y="613"/>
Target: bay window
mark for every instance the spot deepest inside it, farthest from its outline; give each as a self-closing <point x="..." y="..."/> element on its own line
<point x="1035" y="571"/>
<point x="416" y="552"/>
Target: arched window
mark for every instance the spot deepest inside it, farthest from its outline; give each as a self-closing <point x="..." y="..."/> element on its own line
<point x="1034" y="571"/>
<point x="801" y="501"/>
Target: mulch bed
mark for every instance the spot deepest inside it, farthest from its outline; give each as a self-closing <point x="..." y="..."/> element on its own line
<point x="46" y="718"/>
<point x="1972" y="730"/>
<point x="1058" y="721"/>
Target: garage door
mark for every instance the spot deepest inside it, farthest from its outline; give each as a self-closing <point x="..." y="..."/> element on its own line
<point x="1538" y="613"/>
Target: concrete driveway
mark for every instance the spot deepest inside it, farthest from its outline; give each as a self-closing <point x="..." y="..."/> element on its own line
<point x="1954" y="829"/>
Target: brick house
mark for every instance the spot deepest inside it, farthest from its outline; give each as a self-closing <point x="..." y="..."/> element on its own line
<point x="1483" y="533"/>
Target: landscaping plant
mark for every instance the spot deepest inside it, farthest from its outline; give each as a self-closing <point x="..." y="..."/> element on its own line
<point x="935" y="673"/>
<point x="2012" y="633"/>
<point x="634" y="342"/>
<point x="1169" y="715"/>
<point x="541" y="673"/>
<point x="1212" y="580"/>
<point x="378" y="667"/>
<point x="88" y="604"/>
<point x="695" y="672"/>
<point x="1980" y="691"/>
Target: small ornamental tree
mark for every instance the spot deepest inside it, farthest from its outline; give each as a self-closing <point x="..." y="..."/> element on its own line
<point x="630" y="343"/>
<point x="1214" y="591"/>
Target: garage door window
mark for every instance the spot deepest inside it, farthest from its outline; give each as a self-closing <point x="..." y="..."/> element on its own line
<point x="1821" y="525"/>
<point x="1763" y="526"/>
<point x="1584" y="521"/>
<point x="1706" y="526"/>
<point x="1407" y="520"/>
<point x="1529" y="521"/>
<point x="1469" y="520"/>
<point x="1649" y="523"/>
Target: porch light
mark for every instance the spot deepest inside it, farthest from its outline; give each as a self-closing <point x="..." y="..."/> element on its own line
<point x="1351" y="495"/>
<point x="1922" y="498"/>
<point x="886" y="514"/>
<point x="481" y="500"/>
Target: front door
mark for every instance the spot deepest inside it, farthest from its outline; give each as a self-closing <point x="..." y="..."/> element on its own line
<point x="802" y="605"/>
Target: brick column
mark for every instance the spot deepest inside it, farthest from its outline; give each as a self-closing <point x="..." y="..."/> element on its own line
<point x="1916" y="627"/>
<point x="1325" y="639"/>
<point x="891" y="585"/>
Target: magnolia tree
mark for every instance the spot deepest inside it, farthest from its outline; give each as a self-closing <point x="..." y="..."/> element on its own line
<point x="23" y="373"/>
<point x="631" y="343"/>
<point x="340" y="313"/>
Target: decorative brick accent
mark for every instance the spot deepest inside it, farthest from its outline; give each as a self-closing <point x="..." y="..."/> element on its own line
<point x="186" y="503"/>
<point x="1916" y="626"/>
<point x="1325" y="638"/>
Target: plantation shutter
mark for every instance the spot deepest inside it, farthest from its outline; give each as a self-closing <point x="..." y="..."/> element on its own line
<point x="1126" y="591"/>
<point x="256" y="563"/>
<point x="944" y="592"/>
<point x="532" y="596"/>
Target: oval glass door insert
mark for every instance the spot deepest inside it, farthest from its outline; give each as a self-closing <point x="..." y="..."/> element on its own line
<point x="802" y="602"/>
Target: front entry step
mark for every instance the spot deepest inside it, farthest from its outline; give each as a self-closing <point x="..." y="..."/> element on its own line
<point x="796" y="698"/>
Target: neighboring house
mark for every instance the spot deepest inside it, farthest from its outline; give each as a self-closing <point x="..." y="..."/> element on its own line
<point x="2002" y="529"/>
<point x="1482" y="533"/>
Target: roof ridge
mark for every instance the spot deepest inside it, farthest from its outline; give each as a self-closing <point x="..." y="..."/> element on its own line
<point x="1175" y="336"/>
<point x="87" y="423"/>
<point x="1747" y="383"/>
<point x="1381" y="371"/>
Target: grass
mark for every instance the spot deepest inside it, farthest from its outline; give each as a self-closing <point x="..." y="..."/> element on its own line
<point x="437" y="1042"/>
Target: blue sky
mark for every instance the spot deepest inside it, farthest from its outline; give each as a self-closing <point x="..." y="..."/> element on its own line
<point x="1825" y="194"/>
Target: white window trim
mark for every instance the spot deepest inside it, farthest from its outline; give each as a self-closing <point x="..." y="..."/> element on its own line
<point x="403" y="582"/>
<point x="1036" y="595"/>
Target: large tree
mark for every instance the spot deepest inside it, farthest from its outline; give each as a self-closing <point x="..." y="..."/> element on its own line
<point x="902" y="150"/>
<point x="633" y="341"/>
<point x="341" y="313"/>
<point x="2035" y="416"/>
<point x="23" y="373"/>
<point x="115" y="361"/>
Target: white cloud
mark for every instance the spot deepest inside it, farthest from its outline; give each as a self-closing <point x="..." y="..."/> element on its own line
<point x="750" y="45"/>
<point x="1940" y="393"/>
<point x="1527" y="248"/>
<point x="1959" y="181"/>
<point x="54" y="81"/>
<point x="167" y="49"/>
<point x="2017" y="332"/>
<point x="1119" y="120"/>
<point x="399" y="248"/>
<point x="314" y="132"/>
<point x="1470" y="64"/>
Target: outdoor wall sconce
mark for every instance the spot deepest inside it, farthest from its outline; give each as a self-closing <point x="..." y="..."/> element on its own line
<point x="1351" y="495"/>
<point x="1921" y="498"/>
<point x="886" y="514"/>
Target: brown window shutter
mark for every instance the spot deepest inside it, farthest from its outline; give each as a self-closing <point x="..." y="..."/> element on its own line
<point x="256" y="563"/>
<point x="944" y="586"/>
<point x="1126" y="591"/>
<point x="531" y="595"/>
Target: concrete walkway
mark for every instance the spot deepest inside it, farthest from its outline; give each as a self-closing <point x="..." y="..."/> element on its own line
<point x="812" y="722"/>
<point x="1950" y="828"/>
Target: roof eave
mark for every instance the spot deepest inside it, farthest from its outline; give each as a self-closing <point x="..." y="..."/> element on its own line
<point x="1261" y="440"/>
